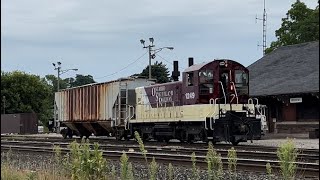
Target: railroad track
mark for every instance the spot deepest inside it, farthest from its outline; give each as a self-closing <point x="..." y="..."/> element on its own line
<point x="254" y="165"/>
<point x="311" y="158"/>
<point x="198" y="145"/>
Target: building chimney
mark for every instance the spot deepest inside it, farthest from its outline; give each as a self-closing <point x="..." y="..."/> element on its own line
<point x="175" y="72"/>
<point x="190" y="61"/>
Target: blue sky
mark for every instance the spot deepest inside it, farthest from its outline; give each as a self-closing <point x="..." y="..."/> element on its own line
<point x="101" y="37"/>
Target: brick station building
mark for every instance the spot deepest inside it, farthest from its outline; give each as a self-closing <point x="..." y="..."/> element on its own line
<point x="287" y="81"/>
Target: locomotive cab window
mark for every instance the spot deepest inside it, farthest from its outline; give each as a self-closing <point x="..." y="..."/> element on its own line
<point x="206" y="76"/>
<point x="206" y="82"/>
<point x="241" y="82"/>
<point x="190" y="80"/>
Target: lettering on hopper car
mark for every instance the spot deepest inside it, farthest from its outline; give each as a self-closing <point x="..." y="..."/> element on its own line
<point x="162" y="96"/>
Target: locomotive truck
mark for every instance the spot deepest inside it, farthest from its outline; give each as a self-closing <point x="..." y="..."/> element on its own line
<point x="210" y="103"/>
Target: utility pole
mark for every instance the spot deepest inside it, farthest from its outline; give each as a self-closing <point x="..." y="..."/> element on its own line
<point x="150" y="46"/>
<point x="264" y="28"/>
<point x="59" y="71"/>
<point x="152" y="53"/>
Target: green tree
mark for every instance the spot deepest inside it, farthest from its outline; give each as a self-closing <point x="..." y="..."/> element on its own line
<point x="25" y="93"/>
<point x="159" y="71"/>
<point x="301" y="25"/>
<point x="80" y="80"/>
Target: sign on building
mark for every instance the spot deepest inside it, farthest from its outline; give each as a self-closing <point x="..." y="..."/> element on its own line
<point x="296" y="100"/>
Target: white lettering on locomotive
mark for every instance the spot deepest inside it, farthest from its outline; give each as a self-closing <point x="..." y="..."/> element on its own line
<point x="190" y="95"/>
<point x="162" y="96"/>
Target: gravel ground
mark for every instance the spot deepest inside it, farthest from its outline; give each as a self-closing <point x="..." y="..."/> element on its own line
<point x="300" y="143"/>
<point x="34" y="161"/>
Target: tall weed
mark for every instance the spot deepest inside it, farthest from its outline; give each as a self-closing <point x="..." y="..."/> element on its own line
<point x="214" y="162"/>
<point x="287" y="155"/>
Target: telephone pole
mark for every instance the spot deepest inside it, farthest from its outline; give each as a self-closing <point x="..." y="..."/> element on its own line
<point x="264" y="28"/>
<point x="152" y="53"/>
<point x="59" y="72"/>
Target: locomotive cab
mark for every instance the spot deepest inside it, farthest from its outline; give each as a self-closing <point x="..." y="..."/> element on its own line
<point x="224" y="83"/>
<point x="211" y="102"/>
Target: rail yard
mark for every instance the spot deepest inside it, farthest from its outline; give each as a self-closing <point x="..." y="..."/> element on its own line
<point x="250" y="158"/>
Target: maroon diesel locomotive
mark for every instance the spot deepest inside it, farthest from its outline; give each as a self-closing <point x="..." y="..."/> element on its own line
<point x="210" y="103"/>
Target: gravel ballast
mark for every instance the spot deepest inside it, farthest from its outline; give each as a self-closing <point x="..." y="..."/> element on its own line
<point x="36" y="161"/>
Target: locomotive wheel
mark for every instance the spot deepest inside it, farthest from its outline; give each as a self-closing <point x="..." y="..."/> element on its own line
<point x="190" y="139"/>
<point x="234" y="142"/>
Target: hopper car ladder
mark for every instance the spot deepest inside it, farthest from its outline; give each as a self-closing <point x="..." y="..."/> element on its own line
<point x="122" y="104"/>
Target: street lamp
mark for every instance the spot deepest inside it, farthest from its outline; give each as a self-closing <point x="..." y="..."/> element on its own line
<point x="152" y="53"/>
<point x="60" y="71"/>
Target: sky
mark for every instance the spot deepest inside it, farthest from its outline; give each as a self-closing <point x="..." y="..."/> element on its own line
<point x="102" y="37"/>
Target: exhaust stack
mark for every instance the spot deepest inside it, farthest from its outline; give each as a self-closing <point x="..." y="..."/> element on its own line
<point x="175" y="72"/>
<point x="190" y="61"/>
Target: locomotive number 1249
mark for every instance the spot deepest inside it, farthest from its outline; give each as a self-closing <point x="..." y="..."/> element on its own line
<point x="190" y="95"/>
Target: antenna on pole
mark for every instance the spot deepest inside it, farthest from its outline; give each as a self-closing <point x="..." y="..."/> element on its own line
<point x="264" y="27"/>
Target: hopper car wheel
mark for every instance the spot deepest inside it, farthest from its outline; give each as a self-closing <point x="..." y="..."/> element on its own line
<point x="64" y="133"/>
<point x="70" y="136"/>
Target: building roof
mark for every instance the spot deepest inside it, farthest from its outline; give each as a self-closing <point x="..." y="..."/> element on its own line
<point x="287" y="70"/>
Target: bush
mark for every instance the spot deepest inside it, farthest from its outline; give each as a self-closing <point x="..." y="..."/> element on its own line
<point x="195" y="170"/>
<point x="141" y="146"/>
<point x="215" y="166"/>
<point x="232" y="162"/>
<point x="126" y="168"/>
<point x="84" y="163"/>
<point x="153" y="169"/>
<point x="170" y="172"/>
<point x="269" y="171"/>
<point x="287" y="155"/>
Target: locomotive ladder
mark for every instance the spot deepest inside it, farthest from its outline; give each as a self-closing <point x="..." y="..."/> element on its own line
<point x="122" y="104"/>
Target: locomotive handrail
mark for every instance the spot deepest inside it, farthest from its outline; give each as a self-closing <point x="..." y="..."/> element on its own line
<point x="257" y="100"/>
<point x="235" y="92"/>
<point x="232" y="97"/>
<point x="250" y="100"/>
<point x="224" y="94"/>
<point x="127" y="120"/>
<point x="213" y="102"/>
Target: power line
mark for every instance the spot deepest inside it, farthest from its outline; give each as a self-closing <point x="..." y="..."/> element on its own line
<point x="124" y="67"/>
